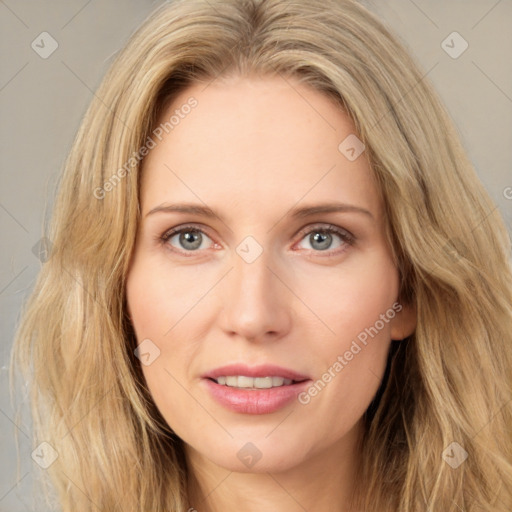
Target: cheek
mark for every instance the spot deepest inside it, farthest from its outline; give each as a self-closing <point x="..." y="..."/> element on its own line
<point x="350" y="357"/>
<point x="161" y="305"/>
<point x="157" y="299"/>
<point x="351" y="298"/>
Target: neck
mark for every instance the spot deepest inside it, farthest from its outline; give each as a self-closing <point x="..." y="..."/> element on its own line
<point x="326" y="481"/>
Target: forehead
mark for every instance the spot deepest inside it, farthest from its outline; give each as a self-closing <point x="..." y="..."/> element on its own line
<point x="260" y="142"/>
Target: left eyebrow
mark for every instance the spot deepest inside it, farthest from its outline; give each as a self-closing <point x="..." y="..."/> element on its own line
<point x="308" y="211"/>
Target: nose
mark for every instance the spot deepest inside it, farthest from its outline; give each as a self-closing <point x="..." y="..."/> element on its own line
<point x="256" y="303"/>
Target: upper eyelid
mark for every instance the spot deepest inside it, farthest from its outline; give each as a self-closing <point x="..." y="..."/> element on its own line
<point x="173" y="231"/>
<point x="322" y="225"/>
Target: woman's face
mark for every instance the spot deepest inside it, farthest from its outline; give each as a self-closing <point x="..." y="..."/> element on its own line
<point x="256" y="291"/>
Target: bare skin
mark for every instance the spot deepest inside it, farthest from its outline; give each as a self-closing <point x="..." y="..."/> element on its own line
<point x="253" y="150"/>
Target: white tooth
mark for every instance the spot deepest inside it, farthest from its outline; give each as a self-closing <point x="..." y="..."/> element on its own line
<point x="277" y="381"/>
<point x="232" y="381"/>
<point x="263" y="382"/>
<point x="245" y="382"/>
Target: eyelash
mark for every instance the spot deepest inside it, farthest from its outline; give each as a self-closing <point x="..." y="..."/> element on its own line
<point x="347" y="238"/>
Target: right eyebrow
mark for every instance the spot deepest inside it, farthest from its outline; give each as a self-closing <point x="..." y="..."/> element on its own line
<point x="192" y="209"/>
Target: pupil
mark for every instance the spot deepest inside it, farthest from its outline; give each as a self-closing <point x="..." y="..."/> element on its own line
<point x="191" y="238"/>
<point x="322" y="238"/>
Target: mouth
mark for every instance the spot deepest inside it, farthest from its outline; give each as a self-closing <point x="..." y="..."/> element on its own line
<point x="254" y="383"/>
<point x="254" y="390"/>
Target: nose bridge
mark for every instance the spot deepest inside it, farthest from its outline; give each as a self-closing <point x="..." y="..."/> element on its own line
<point x="252" y="279"/>
<point x="256" y="303"/>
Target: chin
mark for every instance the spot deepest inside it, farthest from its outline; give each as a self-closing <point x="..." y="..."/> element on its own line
<point x="255" y="455"/>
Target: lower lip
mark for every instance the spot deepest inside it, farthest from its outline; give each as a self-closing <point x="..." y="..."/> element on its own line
<point x="255" y="401"/>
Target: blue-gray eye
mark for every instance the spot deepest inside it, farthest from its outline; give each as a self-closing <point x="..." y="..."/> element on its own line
<point x="189" y="238"/>
<point x="321" y="239"/>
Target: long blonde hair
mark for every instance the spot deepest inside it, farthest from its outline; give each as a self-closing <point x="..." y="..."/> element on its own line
<point x="450" y="382"/>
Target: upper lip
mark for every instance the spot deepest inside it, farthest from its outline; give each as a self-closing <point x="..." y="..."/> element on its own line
<point x="264" y="370"/>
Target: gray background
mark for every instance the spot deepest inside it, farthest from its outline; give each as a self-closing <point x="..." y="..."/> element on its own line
<point x="42" y="101"/>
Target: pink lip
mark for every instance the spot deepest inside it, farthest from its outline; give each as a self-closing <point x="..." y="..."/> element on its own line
<point x="251" y="401"/>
